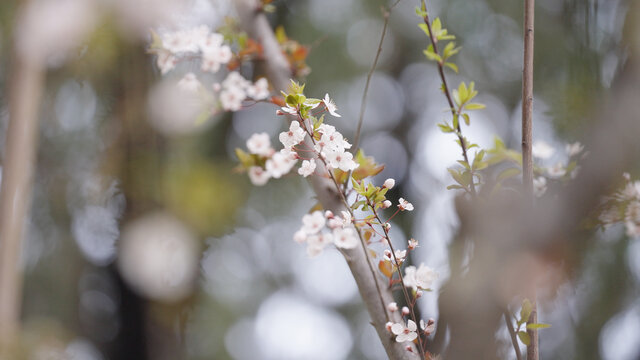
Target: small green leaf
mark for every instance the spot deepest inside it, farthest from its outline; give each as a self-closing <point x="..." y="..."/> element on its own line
<point x="445" y="128"/>
<point x="467" y="120"/>
<point x="526" y="309"/>
<point x="474" y="106"/>
<point x="452" y="66"/>
<point x="524" y="337"/>
<point x="538" y="326"/>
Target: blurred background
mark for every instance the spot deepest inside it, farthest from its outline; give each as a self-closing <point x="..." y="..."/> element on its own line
<point x="143" y="243"/>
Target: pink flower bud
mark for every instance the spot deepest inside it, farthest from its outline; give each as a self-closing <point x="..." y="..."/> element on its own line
<point x="392" y="307"/>
<point x="386" y="204"/>
<point x="388" y="326"/>
<point x="419" y="294"/>
<point x="405" y="311"/>
<point x="387" y="226"/>
<point x="389" y="183"/>
<point x="328" y="214"/>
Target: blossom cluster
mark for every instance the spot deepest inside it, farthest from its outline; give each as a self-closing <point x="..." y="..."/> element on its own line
<point x="543" y="151"/>
<point x="209" y="47"/>
<point x="408" y="332"/>
<point x="319" y="230"/>
<point x="198" y="41"/>
<point x="623" y="207"/>
<point x="328" y="147"/>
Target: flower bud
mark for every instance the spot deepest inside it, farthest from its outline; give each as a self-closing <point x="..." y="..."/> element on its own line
<point x="405" y="311"/>
<point x="392" y="307"/>
<point x="388" y="326"/>
<point x="389" y="183"/>
<point x="386" y="204"/>
<point x="419" y="294"/>
<point x="328" y="214"/>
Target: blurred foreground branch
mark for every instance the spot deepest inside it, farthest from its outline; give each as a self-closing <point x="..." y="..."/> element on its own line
<point x="25" y="90"/>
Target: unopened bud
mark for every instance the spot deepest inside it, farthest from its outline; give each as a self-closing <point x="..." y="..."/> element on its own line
<point x="386" y="204"/>
<point x="392" y="307"/>
<point x="389" y="183"/>
<point x="409" y="348"/>
<point x="388" y="326"/>
<point x="328" y="214"/>
<point x="405" y="311"/>
<point x="418" y="294"/>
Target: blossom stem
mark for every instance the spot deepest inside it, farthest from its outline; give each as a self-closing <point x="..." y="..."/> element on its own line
<point x="404" y="288"/>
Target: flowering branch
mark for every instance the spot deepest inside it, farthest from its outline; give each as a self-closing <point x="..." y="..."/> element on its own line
<point x="279" y="73"/>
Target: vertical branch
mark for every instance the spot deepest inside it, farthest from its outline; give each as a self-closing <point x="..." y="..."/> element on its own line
<point x="527" y="160"/>
<point x="25" y="89"/>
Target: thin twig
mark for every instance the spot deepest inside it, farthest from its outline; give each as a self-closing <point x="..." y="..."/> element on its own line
<point x="527" y="158"/>
<point x="512" y="333"/>
<point x="445" y="90"/>
<point x="404" y="288"/>
<point x="386" y="13"/>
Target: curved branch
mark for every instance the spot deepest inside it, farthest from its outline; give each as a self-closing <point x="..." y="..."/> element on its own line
<point x="278" y="71"/>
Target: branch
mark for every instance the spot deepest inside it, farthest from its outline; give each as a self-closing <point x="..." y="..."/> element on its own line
<point x="527" y="159"/>
<point x="279" y="73"/>
<point x="512" y="333"/>
<point x="25" y="89"/>
<point x="445" y="90"/>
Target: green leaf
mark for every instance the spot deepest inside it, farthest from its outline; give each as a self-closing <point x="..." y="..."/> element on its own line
<point x="420" y="12"/>
<point x="445" y="128"/>
<point x="474" y="106"/>
<point x="431" y="55"/>
<point x="452" y="66"/>
<point x="245" y="158"/>
<point x="467" y="120"/>
<point x="526" y="310"/>
<point x="455" y="187"/>
<point x="508" y="173"/>
<point x="538" y="326"/>
<point x="524" y="337"/>
<point x="424" y="28"/>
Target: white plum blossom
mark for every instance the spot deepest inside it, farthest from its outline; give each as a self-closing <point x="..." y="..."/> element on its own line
<point x="574" y="149"/>
<point x="345" y="238"/>
<point x="405" y="333"/>
<point x="280" y="164"/>
<point x="420" y="278"/>
<point x="260" y="144"/>
<point x="405" y="205"/>
<point x="313" y="223"/>
<point x="341" y="160"/>
<point x="330" y="105"/>
<point x="189" y="83"/>
<point x="258" y="175"/>
<point x="292" y="137"/>
<point x="300" y="236"/>
<point x="389" y="183"/>
<point x="412" y="244"/>
<point x="542" y="150"/>
<point x="231" y="99"/>
<point x="198" y="40"/>
<point x="556" y="171"/>
<point x="316" y="243"/>
<point x="259" y="90"/>
<point x="166" y="62"/>
<point x="235" y="80"/>
<point x="307" y="168"/>
<point x="539" y="186"/>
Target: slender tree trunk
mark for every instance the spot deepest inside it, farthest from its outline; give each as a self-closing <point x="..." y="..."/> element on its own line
<point x="527" y="159"/>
